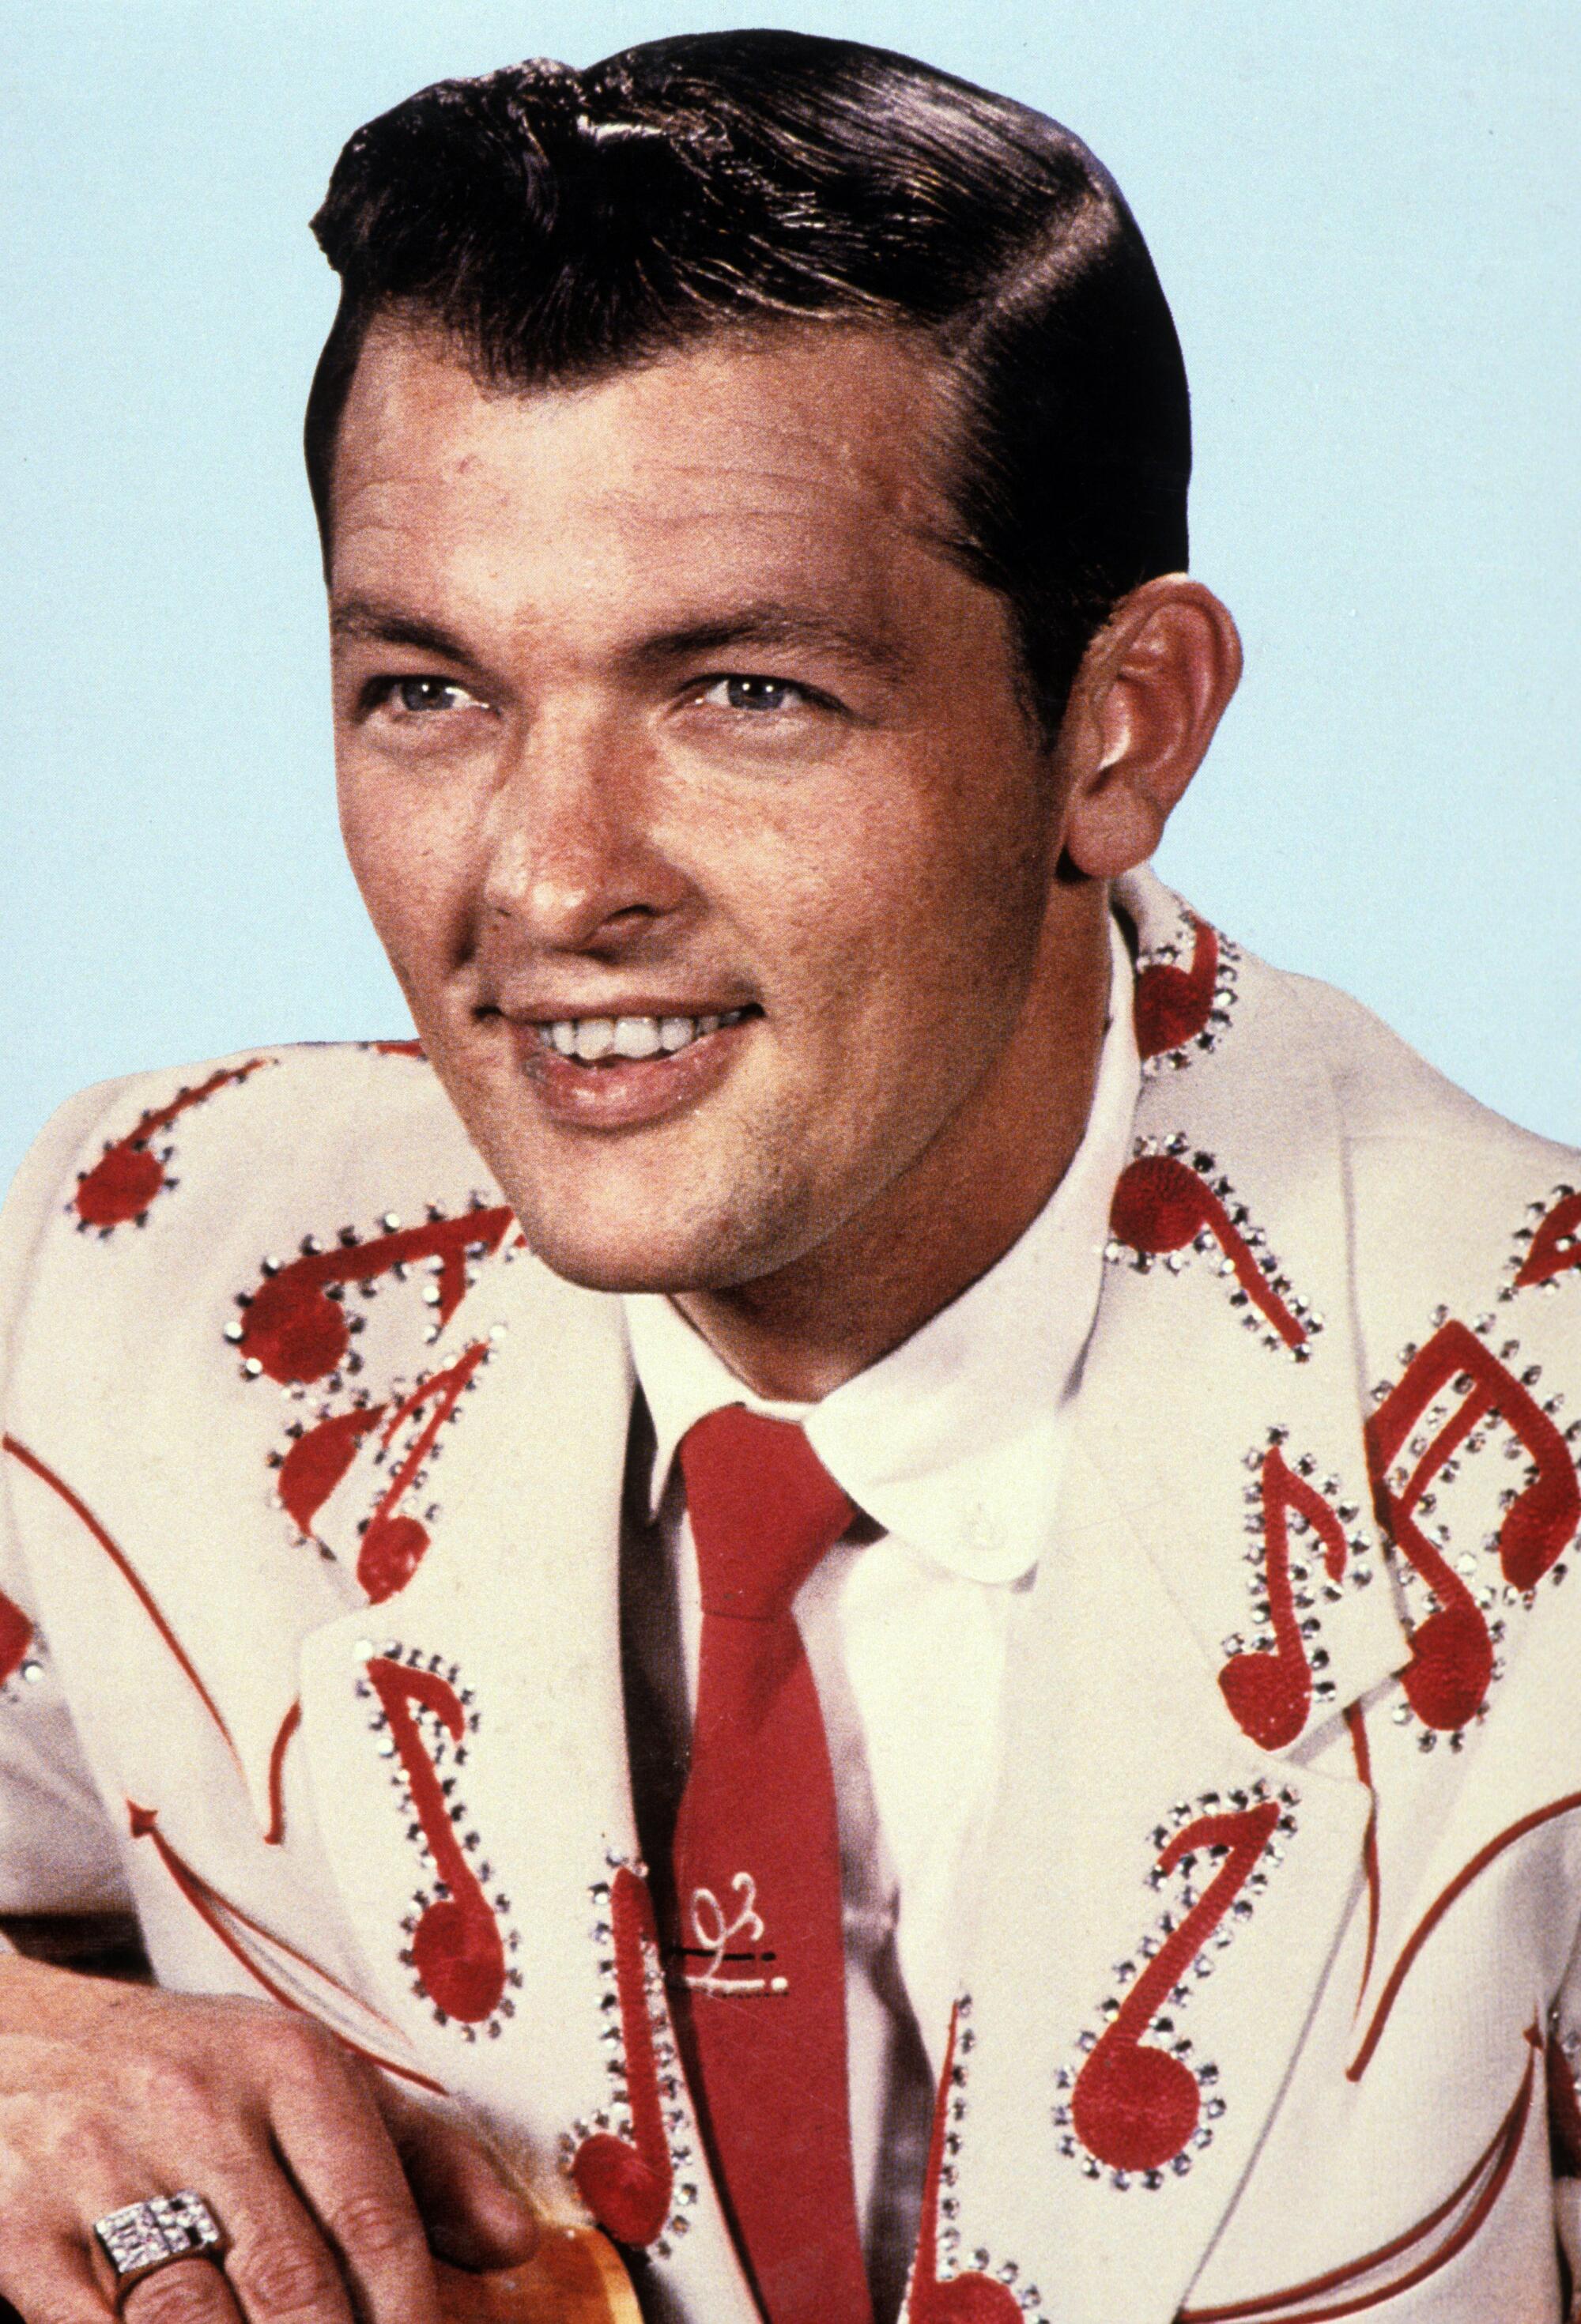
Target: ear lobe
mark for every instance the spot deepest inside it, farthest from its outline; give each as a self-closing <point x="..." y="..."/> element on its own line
<point x="1150" y="693"/>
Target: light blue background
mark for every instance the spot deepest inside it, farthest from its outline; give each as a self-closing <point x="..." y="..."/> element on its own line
<point x="1365" y="217"/>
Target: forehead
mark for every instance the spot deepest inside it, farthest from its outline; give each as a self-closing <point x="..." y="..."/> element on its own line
<point x="812" y="446"/>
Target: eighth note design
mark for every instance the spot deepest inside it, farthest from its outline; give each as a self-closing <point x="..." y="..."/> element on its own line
<point x="1140" y="2104"/>
<point x="1271" y="1684"/>
<point x="1172" y="1201"/>
<point x="458" y="1944"/>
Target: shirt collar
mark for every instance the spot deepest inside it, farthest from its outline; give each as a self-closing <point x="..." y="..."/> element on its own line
<point x="951" y="1441"/>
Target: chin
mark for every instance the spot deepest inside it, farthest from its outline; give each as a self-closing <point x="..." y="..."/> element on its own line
<point x="693" y="1254"/>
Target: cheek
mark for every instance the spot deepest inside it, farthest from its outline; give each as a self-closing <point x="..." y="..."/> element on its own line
<point x="411" y="874"/>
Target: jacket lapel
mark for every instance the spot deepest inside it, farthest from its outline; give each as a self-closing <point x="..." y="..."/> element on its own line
<point x="467" y="1744"/>
<point x="1177" y="1846"/>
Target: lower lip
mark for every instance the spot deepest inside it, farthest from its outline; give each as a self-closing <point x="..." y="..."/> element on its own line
<point x="625" y="1093"/>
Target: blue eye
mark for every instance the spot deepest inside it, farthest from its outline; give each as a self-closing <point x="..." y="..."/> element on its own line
<point x="767" y="694"/>
<point x="417" y="695"/>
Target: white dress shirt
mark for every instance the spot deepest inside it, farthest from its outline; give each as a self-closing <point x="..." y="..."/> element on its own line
<point x="953" y="1445"/>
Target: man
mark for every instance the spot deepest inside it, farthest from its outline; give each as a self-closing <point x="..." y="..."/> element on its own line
<point x="1136" y="1879"/>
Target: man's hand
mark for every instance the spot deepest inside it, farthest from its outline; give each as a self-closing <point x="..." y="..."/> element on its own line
<point x="330" y="2183"/>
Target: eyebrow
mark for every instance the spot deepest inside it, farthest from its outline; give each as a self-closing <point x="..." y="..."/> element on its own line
<point x="366" y="618"/>
<point x="769" y="623"/>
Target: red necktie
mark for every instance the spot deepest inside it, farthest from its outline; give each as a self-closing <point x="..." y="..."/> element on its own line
<point x="757" y="1876"/>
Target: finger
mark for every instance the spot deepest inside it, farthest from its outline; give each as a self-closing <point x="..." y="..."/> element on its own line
<point x="280" y="2267"/>
<point x="56" y="2280"/>
<point x="475" y="2216"/>
<point x="332" y="2140"/>
<point x="187" y="2292"/>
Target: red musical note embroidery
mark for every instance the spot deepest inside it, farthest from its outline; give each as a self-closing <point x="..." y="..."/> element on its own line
<point x="1270" y="1690"/>
<point x="318" y="1458"/>
<point x="1452" y="1652"/>
<point x="1173" y="1004"/>
<point x="406" y="1049"/>
<point x="124" y="1181"/>
<point x="17" y="1634"/>
<point x="1134" y="2105"/>
<point x="1161" y="1205"/>
<point x="294" y="1329"/>
<point x="626" y="2182"/>
<point x="1556" y="1245"/>
<point x="972" y="2298"/>
<point x="456" y="1948"/>
<point x="393" y="1545"/>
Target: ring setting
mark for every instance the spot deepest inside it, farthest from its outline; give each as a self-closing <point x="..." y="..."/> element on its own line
<point x="140" y="2238"/>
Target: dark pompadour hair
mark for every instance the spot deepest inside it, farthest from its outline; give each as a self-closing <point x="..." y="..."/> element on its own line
<point x="558" y="225"/>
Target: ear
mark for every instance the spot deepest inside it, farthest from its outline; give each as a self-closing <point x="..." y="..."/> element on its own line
<point x="1152" y="688"/>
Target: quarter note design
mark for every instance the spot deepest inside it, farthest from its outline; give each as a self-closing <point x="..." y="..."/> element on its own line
<point x="1271" y="1684"/>
<point x="133" y="1170"/>
<point x="1183" y="1007"/>
<point x="459" y="1941"/>
<point x="628" y="2160"/>
<point x="1140" y="2106"/>
<point x="1452" y="1395"/>
<point x="294" y="1325"/>
<point x="941" y="2291"/>
<point x="1548" y="1246"/>
<point x="1173" y="1201"/>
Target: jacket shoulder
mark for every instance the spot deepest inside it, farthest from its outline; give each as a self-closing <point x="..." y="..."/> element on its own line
<point x="1386" y="1090"/>
<point x="150" y="1201"/>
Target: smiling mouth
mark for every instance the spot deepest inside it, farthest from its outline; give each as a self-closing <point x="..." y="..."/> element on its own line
<point x="623" y="1040"/>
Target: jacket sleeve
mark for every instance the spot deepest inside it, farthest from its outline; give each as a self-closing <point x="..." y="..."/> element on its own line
<point x="58" y="1851"/>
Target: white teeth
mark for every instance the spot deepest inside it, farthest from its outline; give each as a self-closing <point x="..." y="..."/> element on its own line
<point x="595" y="1037"/>
<point x="589" y="1038"/>
<point x="636" y="1036"/>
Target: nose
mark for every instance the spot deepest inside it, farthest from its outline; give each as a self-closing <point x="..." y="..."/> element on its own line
<point x="575" y="862"/>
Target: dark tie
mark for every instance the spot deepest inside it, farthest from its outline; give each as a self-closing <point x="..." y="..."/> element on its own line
<point x="761" y="2005"/>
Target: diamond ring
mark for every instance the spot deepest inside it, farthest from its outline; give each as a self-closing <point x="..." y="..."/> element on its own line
<point x="140" y="2238"/>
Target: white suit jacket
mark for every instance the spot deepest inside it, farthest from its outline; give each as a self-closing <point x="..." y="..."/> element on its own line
<point x="310" y="1645"/>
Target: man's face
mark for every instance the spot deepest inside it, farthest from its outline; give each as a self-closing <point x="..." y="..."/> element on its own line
<point x="689" y="788"/>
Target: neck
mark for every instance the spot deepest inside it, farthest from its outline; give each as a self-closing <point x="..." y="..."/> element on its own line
<point x="802" y="1332"/>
